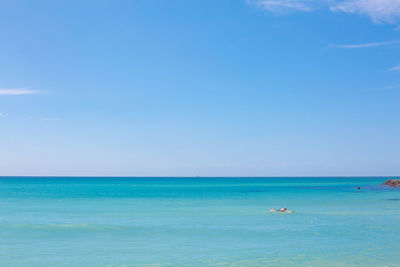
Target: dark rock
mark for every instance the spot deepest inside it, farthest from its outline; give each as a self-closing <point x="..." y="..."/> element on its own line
<point x="392" y="183"/>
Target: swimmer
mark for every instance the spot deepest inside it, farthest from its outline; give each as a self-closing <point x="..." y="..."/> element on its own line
<point x="281" y="210"/>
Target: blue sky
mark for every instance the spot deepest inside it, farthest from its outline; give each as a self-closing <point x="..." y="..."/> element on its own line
<point x="209" y="88"/>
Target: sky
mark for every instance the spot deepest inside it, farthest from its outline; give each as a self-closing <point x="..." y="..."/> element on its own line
<point x="200" y="88"/>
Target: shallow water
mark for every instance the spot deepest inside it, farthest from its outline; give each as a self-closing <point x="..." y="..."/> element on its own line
<point x="198" y="222"/>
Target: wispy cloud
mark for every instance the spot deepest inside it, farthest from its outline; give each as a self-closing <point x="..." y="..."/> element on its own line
<point x="396" y="68"/>
<point x="366" y="45"/>
<point x="18" y="91"/>
<point x="379" y="11"/>
<point x="283" y="6"/>
<point x="2" y="115"/>
<point x="391" y="87"/>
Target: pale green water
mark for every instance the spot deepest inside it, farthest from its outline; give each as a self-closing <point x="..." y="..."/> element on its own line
<point x="198" y="222"/>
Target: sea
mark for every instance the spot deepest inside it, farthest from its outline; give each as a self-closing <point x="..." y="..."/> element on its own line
<point x="120" y="221"/>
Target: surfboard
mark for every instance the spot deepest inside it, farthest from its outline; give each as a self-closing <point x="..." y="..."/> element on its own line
<point x="275" y="210"/>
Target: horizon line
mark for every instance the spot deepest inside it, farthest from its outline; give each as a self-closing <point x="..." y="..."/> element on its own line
<point x="91" y="176"/>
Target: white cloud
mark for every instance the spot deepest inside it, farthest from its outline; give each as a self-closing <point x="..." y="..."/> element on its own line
<point x="396" y="68"/>
<point x="283" y="6"/>
<point x="2" y="115"/>
<point x="380" y="11"/>
<point x="18" y="91"/>
<point x="374" y="44"/>
<point x="391" y="87"/>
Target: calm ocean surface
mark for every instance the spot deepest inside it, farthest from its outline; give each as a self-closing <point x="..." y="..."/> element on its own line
<point x="198" y="222"/>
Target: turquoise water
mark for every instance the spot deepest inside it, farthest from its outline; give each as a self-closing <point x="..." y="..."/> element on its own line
<point x="198" y="222"/>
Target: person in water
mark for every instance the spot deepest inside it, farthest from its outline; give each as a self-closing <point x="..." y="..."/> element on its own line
<point x="281" y="210"/>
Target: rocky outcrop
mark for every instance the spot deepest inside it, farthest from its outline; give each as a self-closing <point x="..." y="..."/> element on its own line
<point x="392" y="183"/>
